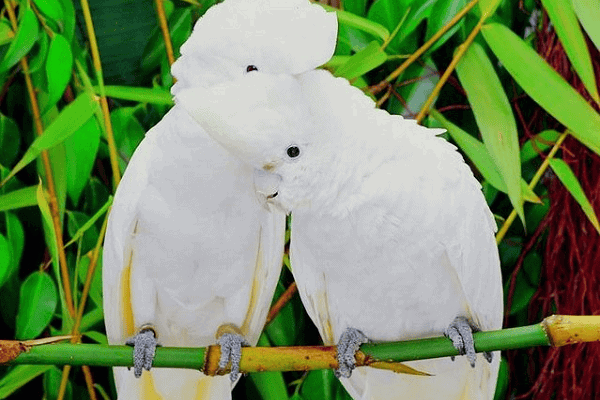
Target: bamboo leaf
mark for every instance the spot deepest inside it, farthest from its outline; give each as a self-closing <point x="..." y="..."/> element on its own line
<point x="366" y="25"/>
<point x="5" y="259"/>
<point x="568" y="178"/>
<point x="362" y="62"/>
<point x="140" y="94"/>
<point x="50" y="8"/>
<point x="588" y="12"/>
<point x="81" y="149"/>
<point x="58" y="68"/>
<point x="478" y="154"/>
<point x="37" y="302"/>
<point x="543" y="141"/>
<point x="71" y="118"/>
<point x="27" y="33"/>
<point x="24" y="197"/>
<point x="19" y="377"/>
<point x="544" y="85"/>
<point x="10" y="140"/>
<point x="565" y="23"/>
<point x="494" y="118"/>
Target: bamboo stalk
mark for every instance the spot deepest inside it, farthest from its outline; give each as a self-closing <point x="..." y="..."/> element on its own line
<point x="112" y="147"/>
<point x="457" y="56"/>
<point x="413" y="57"/>
<point x="557" y="330"/>
<point x="164" y="27"/>
<point x="536" y="178"/>
<point x="52" y="199"/>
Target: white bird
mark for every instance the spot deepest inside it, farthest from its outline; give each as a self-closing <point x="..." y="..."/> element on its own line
<point x="191" y="252"/>
<point x="391" y="236"/>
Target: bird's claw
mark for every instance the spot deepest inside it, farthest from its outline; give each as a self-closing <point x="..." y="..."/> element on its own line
<point x="347" y="347"/>
<point x="460" y="332"/>
<point x="144" y="347"/>
<point x="231" y="350"/>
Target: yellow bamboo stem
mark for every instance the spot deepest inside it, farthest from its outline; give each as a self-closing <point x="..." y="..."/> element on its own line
<point x="459" y="53"/>
<point x="413" y="57"/>
<point x="164" y="27"/>
<point x="110" y="138"/>
<point x="534" y="181"/>
<point x="52" y="199"/>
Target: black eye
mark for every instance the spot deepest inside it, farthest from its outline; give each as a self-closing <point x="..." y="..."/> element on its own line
<point x="251" y="68"/>
<point x="293" y="151"/>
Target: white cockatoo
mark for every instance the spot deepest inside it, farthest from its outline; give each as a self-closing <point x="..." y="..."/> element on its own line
<point x="192" y="255"/>
<point x="391" y="236"/>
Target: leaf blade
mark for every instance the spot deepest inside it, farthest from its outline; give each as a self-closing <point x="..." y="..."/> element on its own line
<point x="544" y="85"/>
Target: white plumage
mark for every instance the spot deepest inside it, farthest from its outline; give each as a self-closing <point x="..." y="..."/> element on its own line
<point x="189" y="245"/>
<point x="391" y="234"/>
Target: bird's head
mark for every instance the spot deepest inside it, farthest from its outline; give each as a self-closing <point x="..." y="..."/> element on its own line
<point x="269" y="122"/>
<point x="271" y="36"/>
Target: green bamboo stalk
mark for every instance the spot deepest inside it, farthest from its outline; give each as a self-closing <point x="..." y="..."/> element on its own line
<point x="553" y="331"/>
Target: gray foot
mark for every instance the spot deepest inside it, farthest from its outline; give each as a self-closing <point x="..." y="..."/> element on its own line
<point x="460" y="332"/>
<point x="144" y="346"/>
<point x="231" y="350"/>
<point x="347" y="347"/>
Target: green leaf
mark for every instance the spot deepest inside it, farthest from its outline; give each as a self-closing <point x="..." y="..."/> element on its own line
<point x="319" y="385"/>
<point x="140" y="94"/>
<point x="90" y="222"/>
<point x="356" y="7"/>
<point x="96" y="337"/>
<point x="81" y="149"/>
<point x="545" y="86"/>
<point x="37" y="302"/>
<point x="478" y="154"/>
<point x="588" y="12"/>
<point x="414" y="86"/>
<point x="71" y="118"/>
<point x="27" y="33"/>
<point x="565" y="23"/>
<point x="52" y="379"/>
<point x="75" y="221"/>
<point x="362" y="62"/>
<point x="16" y="237"/>
<point x="362" y="24"/>
<point x="38" y="59"/>
<point x="488" y="7"/>
<point x="96" y="286"/>
<point x="128" y="133"/>
<point x="539" y="143"/>
<point x="58" y="68"/>
<point x="502" y="383"/>
<point x="68" y="19"/>
<point x="6" y="263"/>
<point x="10" y="141"/>
<point x="180" y="23"/>
<point x="19" y="376"/>
<point x="494" y="118"/>
<point x="270" y="385"/>
<point x="6" y="32"/>
<point x="24" y="197"/>
<point x="568" y="178"/>
<point x="50" y="8"/>
<point x="443" y="11"/>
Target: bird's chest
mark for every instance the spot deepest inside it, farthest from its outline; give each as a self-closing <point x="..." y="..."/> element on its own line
<point x="389" y="284"/>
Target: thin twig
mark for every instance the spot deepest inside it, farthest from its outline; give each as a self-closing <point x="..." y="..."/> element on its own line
<point x="459" y="53"/>
<point x="164" y="27"/>
<point x="52" y="200"/>
<point x="282" y="301"/>
<point x="502" y="232"/>
<point x="379" y="87"/>
<point x="112" y="147"/>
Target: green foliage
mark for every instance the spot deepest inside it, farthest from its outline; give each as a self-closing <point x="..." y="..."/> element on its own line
<point x="375" y="38"/>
